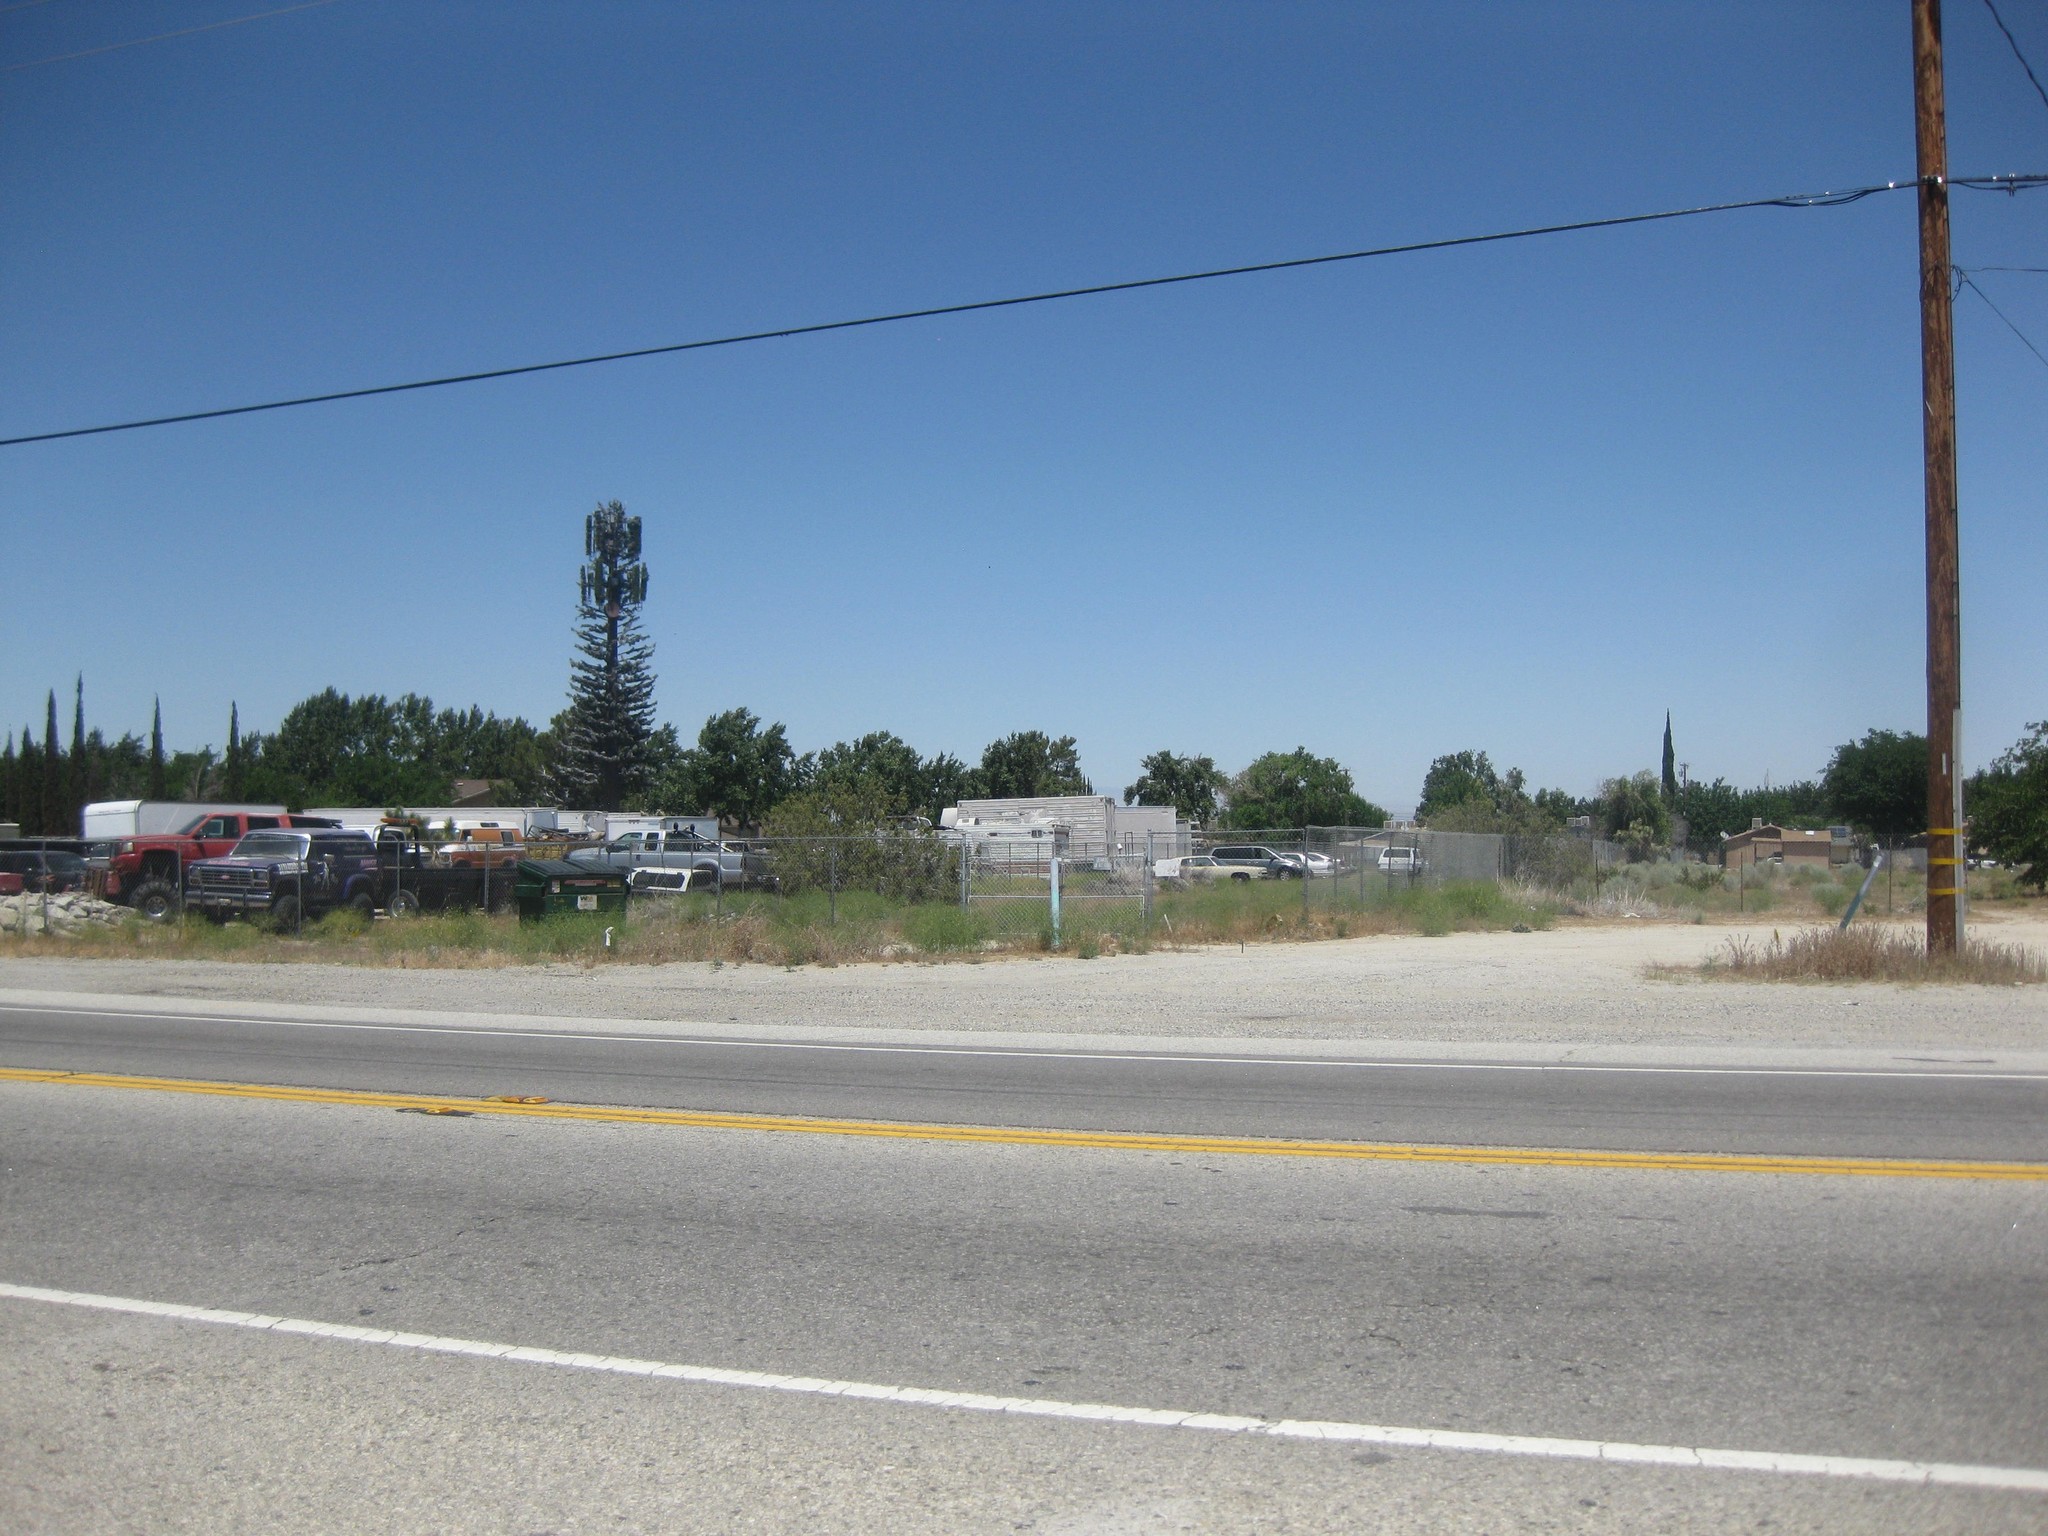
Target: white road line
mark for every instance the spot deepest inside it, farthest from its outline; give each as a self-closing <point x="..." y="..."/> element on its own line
<point x="1923" y="1473"/>
<point x="1026" y="1054"/>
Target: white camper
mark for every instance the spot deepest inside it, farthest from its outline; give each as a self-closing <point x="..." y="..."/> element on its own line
<point x="106" y="820"/>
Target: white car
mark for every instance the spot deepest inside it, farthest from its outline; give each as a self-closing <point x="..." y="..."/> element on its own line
<point x="1400" y="861"/>
<point x="1320" y="865"/>
<point x="1204" y="866"/>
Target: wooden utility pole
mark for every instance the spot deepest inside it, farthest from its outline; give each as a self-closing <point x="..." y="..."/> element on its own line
<point x="1945" y="840"/>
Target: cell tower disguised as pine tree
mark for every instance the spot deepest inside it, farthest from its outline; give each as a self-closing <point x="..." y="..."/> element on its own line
<point x="602" y="758"/>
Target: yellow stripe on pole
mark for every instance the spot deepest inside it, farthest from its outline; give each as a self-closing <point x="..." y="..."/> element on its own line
<point x="1114" y="1141"/>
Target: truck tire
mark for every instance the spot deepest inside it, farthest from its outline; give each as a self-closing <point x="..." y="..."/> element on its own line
<point x="362" y="905"/>
<point x="403" y="904"/>
<point x="284" y="913"/>
<point x="156" y="900"/>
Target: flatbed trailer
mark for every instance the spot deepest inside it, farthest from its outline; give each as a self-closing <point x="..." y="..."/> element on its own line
<point x="410" y="880"/>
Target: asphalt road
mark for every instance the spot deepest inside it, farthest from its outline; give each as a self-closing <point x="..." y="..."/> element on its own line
<point x="1906" y="1109"/>
<point x="1850" y="1319"/>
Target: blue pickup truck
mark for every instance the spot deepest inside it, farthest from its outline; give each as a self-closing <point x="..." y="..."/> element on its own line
<point x="286" y="876"/>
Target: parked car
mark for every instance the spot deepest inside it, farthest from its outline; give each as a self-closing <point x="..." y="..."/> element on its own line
<point x="288" y="875"/>
<point x="710" y="863"/>
<point x="1320" y="865"/>
<point x="1401" y="861"/>
<point x="44" y="869"/>
<point x="1256" y="856"/>
<point x="648" y="880"/>
<point x="1204" y="866"/>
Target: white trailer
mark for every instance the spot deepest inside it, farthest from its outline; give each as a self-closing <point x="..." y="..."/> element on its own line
<point x="105" y="820"/>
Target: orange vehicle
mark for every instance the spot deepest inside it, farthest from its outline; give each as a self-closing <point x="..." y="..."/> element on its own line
<point x="492" y="847"/>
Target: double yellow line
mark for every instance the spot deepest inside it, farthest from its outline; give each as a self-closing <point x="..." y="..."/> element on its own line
<point x="1109" y="1141"/>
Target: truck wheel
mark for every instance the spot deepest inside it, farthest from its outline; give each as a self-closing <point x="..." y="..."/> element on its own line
<point x="403" y="904"/>
<point x="284" y="914"/>
<point x="362" y="905"/>
<point x="156" y="900"/>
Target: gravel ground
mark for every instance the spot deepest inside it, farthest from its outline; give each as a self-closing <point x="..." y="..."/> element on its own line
<point x="1574" y="985"/>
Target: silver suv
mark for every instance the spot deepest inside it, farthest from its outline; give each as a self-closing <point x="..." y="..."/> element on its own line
<point x="709" y="863"/>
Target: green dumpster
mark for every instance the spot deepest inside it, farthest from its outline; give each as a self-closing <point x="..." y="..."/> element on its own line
<point x="548" y="886"/>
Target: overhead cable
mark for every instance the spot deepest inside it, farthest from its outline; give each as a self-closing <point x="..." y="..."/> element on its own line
<point x="1963" y="281"/>
<point x="1796" y="200"/>
<point x="137" y="42"/>
<point x="2014" y="43"/>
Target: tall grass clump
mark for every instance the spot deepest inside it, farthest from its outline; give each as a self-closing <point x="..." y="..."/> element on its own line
<point x="1871" y="953"/>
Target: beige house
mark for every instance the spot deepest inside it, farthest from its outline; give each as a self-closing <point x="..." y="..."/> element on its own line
<point x="1791" y="846"/>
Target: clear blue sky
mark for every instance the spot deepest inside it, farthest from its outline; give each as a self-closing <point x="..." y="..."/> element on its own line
<point x="1524" y="497"/>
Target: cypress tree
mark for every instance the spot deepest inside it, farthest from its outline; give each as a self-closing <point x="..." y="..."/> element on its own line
<point x="81" y="761"/>
<point x="1670" y="764"/>
<point x="231" y="776"/>
<point x="10" y="808"/>
<point x="54" y="819"/>
<point x="156" y="751"/>
<point x="602" y="758"/>
<point x="28" y="786"/>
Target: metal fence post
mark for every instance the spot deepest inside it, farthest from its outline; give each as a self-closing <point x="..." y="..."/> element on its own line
<point x="1304" y="874"/>
<point x="1055" y="901"/>
<point x="1145" y="909"/>
<point x="835" y="882"/>
<point x="966" y="855"/>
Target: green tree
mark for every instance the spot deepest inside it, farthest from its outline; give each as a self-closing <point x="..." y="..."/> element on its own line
<point x="880" y="767"/>
<point x="332" y="749"/>
<point x="1029" y="764"/>
<point x="1453" y="779"/>
<point x="1712" y="812"/>
<point x="1297" y="789"/>
<point x="156" y="750"/>
<point x="1670" y="783"/>
<point x="1880" y="783"/>
<point x="231" y="769"/>
<point x="28" y="786"/>
<point x="602" y="749"/>
<point x="10" y="808"/>
<point x="1633" y="813"/>
<point x="55" y="822"/>
<point x="2009" y="807"/>
<point x="737" y="771"/>
<point x="1190" y="785"/>
<point x="80" y="788"/>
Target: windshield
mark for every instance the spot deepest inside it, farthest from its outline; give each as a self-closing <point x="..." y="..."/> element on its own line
<point x="69" y="863"/>
<point x="270" y="845"/>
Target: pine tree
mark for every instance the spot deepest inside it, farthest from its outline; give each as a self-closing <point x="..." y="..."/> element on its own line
<point x="602" y="753"/>
<point x="231" y="773"/>
<point x="10" y="805"/>
<point x="1670" y="764"/>
<point x="156" y="751"/>
<point x="55" y="822"/>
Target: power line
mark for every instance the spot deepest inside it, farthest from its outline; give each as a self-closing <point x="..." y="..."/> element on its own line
<point x="2015" y="45"/>
<point x="1963" y="281"/>
<point x="211" y="26"/>
<point x="1797" y="200"/>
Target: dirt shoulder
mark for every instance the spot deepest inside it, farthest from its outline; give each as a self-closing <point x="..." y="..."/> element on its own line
<point x="1576" y="984"/>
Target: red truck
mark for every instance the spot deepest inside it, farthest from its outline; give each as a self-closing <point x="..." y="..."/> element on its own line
<point x="148" y="872"/>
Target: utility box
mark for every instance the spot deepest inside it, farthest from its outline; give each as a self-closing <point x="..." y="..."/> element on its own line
<point x="548" y="887"/>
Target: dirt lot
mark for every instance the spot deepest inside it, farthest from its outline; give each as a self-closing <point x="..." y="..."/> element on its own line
<point x="1576" y="984"/>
